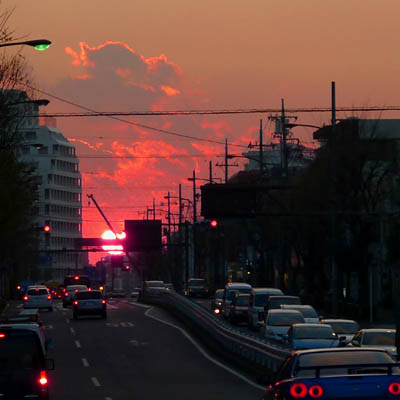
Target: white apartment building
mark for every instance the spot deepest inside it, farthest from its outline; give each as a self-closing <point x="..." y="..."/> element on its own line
<point x="60" y="192"/>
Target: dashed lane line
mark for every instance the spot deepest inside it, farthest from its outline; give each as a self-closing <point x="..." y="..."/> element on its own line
<point x="203" y="352"/>
<point x="78" y="344"/>
<point x="95" y="381"/>
<point x="72" y="330"/>
<point x="85" y="362"/>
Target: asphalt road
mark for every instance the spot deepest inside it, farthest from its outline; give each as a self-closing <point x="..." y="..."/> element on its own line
<point x="133" y="355"/>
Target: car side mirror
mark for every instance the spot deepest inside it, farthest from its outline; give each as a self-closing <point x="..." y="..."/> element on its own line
<point x="355" y="343"/>
<point x="49" y="364"/>
<point x="48" y="344"/>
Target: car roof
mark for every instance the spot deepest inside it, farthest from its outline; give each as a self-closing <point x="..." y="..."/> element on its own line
<point x="377" y="330"/>
<point x="283" y="297"/>
<point x="310" y="325"/>
<point x="266" y="290"/>
<point x="75" y="286"/>
<point x="237" y="284"/>
<point x="294" y="306"/>
<point x="328" y="320"/>
<point x="156" y="281"/>
<point x="338" y="349"/>
<point x="281" y="311"/>
<point x="90" y="291"/>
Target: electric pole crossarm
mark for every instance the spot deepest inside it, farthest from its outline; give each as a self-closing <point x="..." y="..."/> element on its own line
<point x="90" y="196"/>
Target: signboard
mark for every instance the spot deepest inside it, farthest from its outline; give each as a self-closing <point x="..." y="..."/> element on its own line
<point x="142" y="235"/>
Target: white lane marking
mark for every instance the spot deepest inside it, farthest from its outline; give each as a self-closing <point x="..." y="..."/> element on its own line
<point x="107" y="398"/>
<point x="19" y="306"/>
<point x="112" y="307"/>
<point x="67" y="320"/>
<point x="78" y="344"/>
<point x="85" y="362"/>
<point x="95" y="381"/>
<point x="204" y="353"/>
<point x="72" y="330"/>
<point x="138" y="304"/>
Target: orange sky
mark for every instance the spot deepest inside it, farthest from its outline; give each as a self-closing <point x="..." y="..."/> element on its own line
<point x="174" y="54"/>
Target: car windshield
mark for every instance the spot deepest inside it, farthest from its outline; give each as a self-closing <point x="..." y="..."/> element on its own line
<point x="344" y="327"/>
<point x="72" y="288"/>
<point x="242" y="301"/>
<point x="88" y="295"/>
<point x="155" y="284"/>
<point x="37" y="292"/>
<point x="219" y="294"/>
<point x="284" y="319"/>
<point x="313" y="332"/>
<point x="330" y="358"/>
<point x="277" y="302"/>
<point x="19" y="352"/>
<point x="197" y="282"/>
<point x="379" y="338"/>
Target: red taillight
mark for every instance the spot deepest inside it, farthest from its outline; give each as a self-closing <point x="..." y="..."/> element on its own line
<point x="48" y="297"/>
<point x="66" y="294"/>
<point x="43" y="378"/>
<point x="103" y="302"/>
<point x="76" y="302"/>
<point x="90" y="289"/>
<point x="298" y="390"/>
<point x="76" y="290"/>
<point x="394" y="388"/>
<point x="2" y="335"/>
<point x="26" y="298"/>
<point x="315" y="391"/>
<point x="76" y="277"/>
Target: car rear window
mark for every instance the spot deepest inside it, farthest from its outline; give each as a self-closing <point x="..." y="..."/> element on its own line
<point x="379" y="338"/>
<point x="314" y="332"/>
<point x="284" y="319"/>
<point x="341" y="358"/>
<point x="344" y="327"/>
<point x="88" y="295"/>
<point x="308" y="312"/>
<point x="276" y="303"/>
<point x="243" y="301"/>
<point x="37" y="292"/>
<point x="231" y="293"/>
<point x="197" y="282"/>
<point x="219" y="294"/>
<point x="76" y="287"/>
<point x="19" y="352"/>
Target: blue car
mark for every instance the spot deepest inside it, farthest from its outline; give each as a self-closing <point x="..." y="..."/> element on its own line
<point x="336" y="373"/>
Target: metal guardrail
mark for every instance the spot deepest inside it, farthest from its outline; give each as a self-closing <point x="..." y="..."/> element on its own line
<point x="249" y="350"/>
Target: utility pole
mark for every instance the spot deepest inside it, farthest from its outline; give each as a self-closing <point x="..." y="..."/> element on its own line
<point x="194" y="198"/>
<point x="154" y="208"/>
<point x="284" y="143"/>
<point x="169" y="218"/>
<point x="180" y="206"/>
<point x="211" y="175"/>
<point x="261" y="150"/>
<point x="226" y="164"/>
<point x="334" y="271"/>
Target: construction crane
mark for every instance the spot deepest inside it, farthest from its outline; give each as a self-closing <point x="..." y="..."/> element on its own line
<point x="91" y="197"/>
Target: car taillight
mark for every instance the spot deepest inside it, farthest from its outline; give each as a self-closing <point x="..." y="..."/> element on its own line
<point x="26" y="298"/>
<point x="48" y="297"/>
<point x="43" y="378"/>
<point x="90" y="289"/>
<point x="394" y="388"/>
<point x="2" y="335"/>
<point x="66" y="294"/>
<point x="76" y="290"/>
<point x="103" y="302"/>
<point x="216" y="311"/>
<point x="298" y="390"/>
<point x="315" y="391"/>
<point x="76" y="302"/>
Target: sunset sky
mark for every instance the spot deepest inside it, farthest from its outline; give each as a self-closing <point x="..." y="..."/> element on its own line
<point x="125" y="55"/>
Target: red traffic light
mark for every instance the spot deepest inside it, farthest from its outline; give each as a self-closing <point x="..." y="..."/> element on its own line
<point x="213" y="223"/>
<point x="47" y="229"/>
<point x="127" y="267"/>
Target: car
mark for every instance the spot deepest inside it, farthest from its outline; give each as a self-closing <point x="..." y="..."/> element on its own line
<point x="135" y="292"/>
<point x="69" y="293"/>
<point x="117" y="293"/>
<point x="151" y="290"/>
<point x="372" y="337"/>
<point x="197" y="287"/>
<point x="346" y="328"/>
<point x="338" y="373"/>
<point x="239" y="308"/>
<point x="309" y="313"/>
<point x="229" y="291"/>
<point x="276" y="301"/>
<point x="23" y="364"/>
<point x="311" y="336"/>
<point x="76" y="280"/>
<point x="38" y="297"/>
<point x="216" y="301"/>
<point x="277" y="323"/>
<point x="170" y="287"/>
<point x="258" y="299"/>
<point x="89" y="302"/>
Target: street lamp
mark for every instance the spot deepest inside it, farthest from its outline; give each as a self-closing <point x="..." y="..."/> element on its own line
<point x="38" y="44"/>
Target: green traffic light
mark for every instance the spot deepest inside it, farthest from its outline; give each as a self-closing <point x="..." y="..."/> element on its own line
<point x="42" y="47"/>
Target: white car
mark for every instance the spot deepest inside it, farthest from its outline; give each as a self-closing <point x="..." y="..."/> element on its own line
<point x="258" y="299"/>
<point x="38" y="297"/>
<point x="309" y="313"/>
<point x="277" y="323"/>
<point x="346" y="328"/>
<point x="311" y="336"/>
<point x="384" y="338"/>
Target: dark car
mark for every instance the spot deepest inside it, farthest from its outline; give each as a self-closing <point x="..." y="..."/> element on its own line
<point x="23" y="365"/>
<point x="197" y="287"/>
<point x="239" y="308"/>
<point x="216" y="301"/>
<point x="338" y="373"/>
<point x="90" y="302"/>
